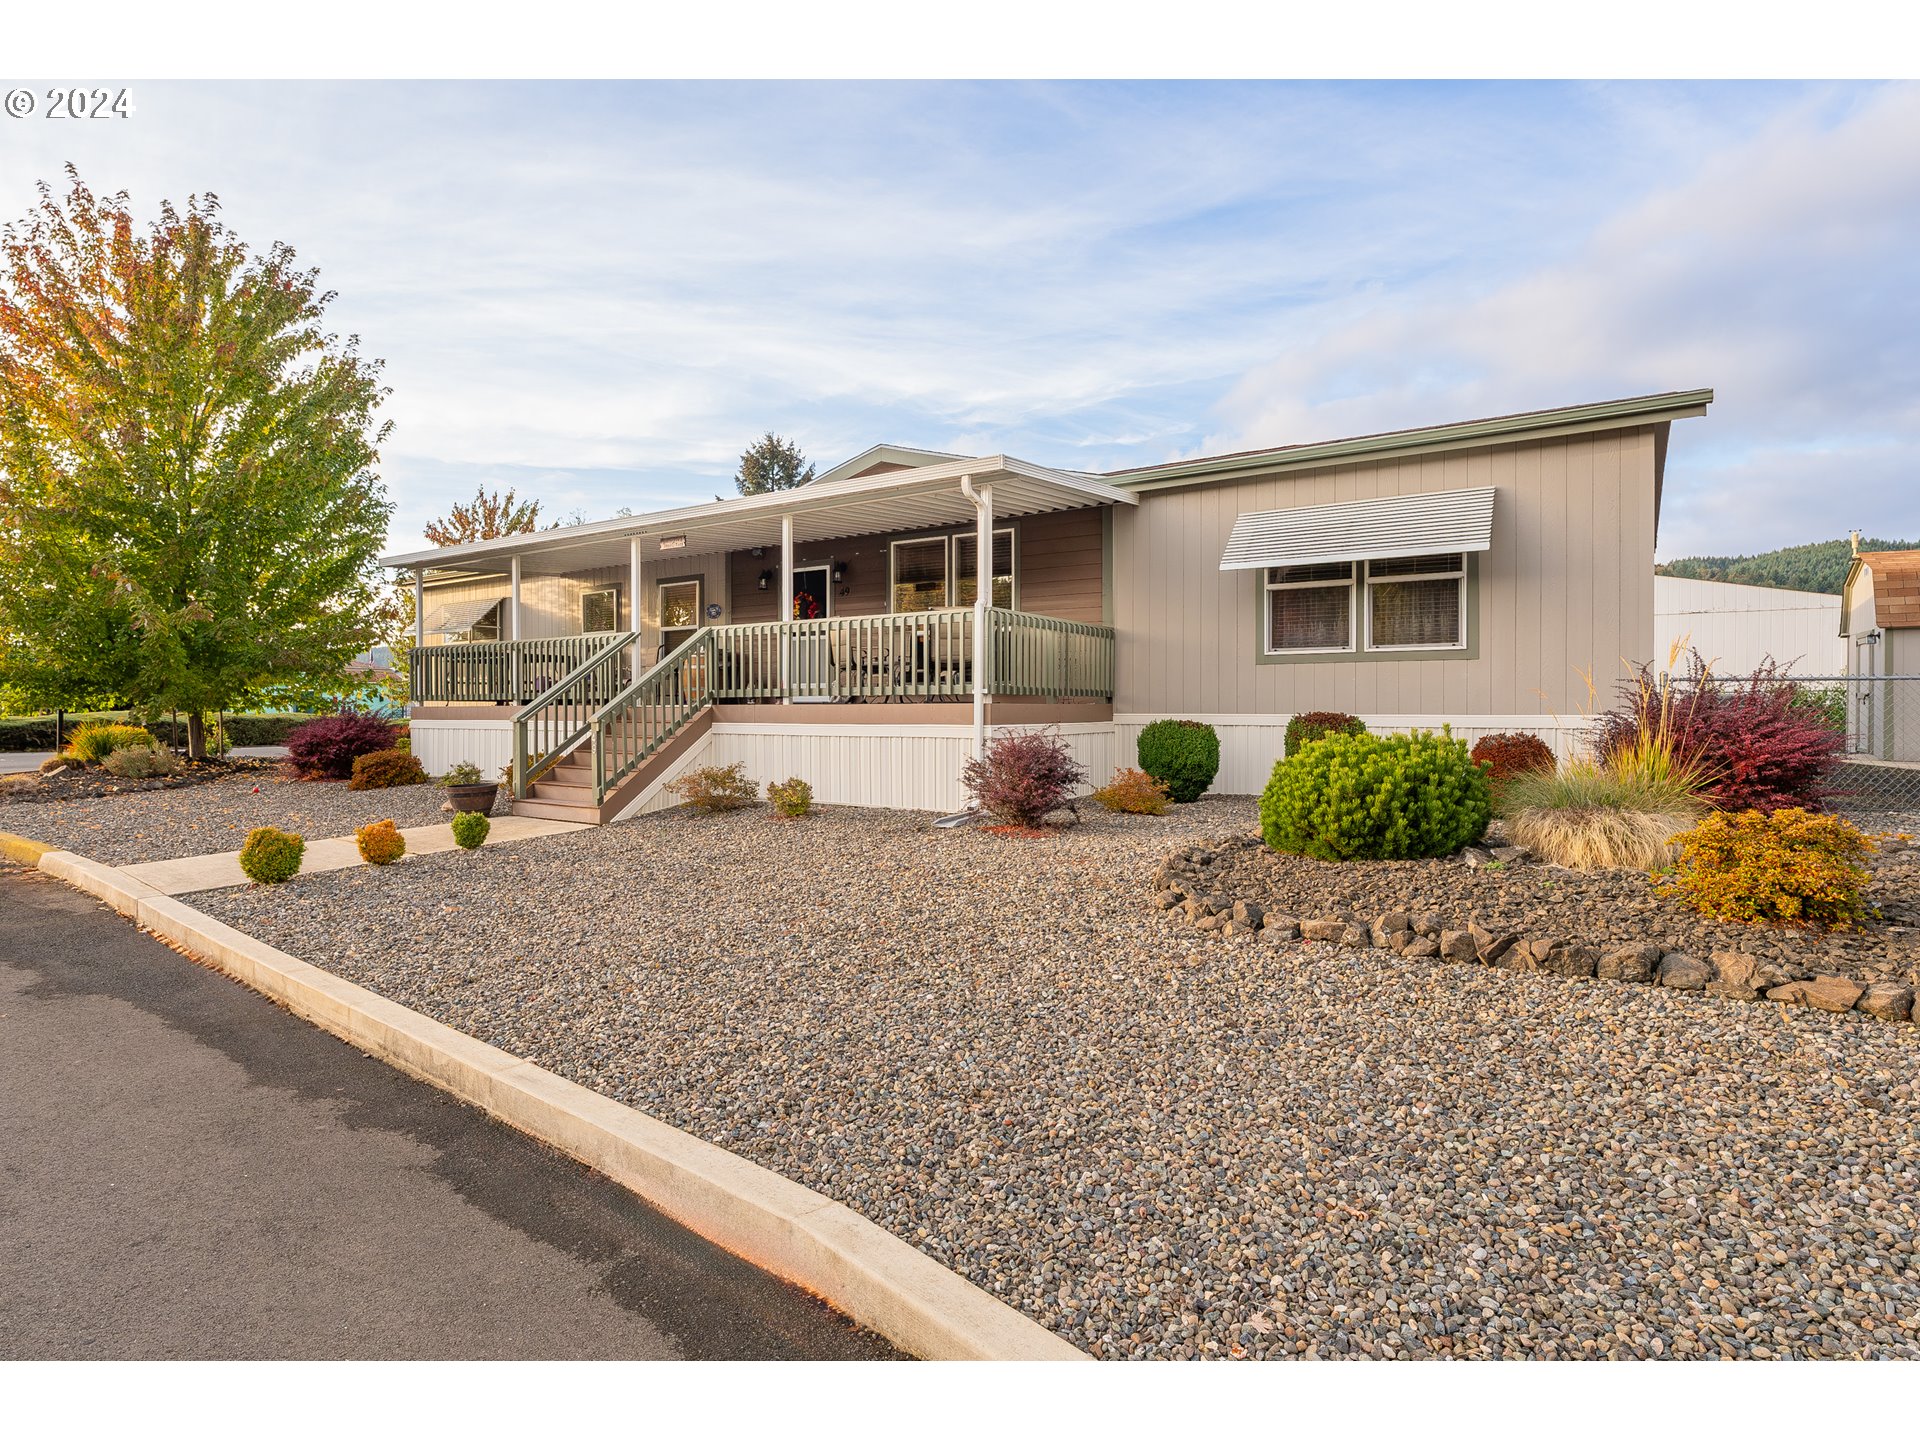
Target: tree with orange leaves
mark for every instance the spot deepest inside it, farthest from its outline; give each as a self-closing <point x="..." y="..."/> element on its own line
<point x="189" y="508"/>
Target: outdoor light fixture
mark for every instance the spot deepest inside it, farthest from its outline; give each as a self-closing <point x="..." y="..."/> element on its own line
<point x="757" y="551"/>
<point x="766" y="579"/>
<point x="840" y="573"/>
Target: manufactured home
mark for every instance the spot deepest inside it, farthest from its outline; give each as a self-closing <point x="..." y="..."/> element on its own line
<point x="868" y="630"/>
<point x="1880" y="626"/>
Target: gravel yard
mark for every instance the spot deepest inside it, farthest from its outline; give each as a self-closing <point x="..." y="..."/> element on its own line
<point x="207" y="819"/>
<point x="1160" y="1143"/>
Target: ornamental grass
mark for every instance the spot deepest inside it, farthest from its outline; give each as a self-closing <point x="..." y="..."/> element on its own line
<point x="1590" y="815"/>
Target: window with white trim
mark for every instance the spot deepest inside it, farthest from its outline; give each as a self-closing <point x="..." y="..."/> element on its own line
<point x="920" y="574"/>
<point x="1310" y="608"/>
<point x="599" y="611"/>
<point x="1417" y="603"/>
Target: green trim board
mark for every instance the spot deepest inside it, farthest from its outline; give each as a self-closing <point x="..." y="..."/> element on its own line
<point x="1360" y="653"/>
<point x="1534" y="424"/>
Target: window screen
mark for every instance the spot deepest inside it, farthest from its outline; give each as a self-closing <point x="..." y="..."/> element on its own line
<point x="1310" y="607"/>
<point x="1416" y="602"/>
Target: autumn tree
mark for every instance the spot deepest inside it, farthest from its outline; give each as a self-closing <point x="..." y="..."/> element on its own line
<point x="189" y="508"/>
<point x="488" y="516"/>
<point x="770" y="464"/>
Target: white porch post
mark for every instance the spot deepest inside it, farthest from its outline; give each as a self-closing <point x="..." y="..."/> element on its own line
<point x="786" y="600"/>
<point x="633" y="606"/>
<point x="419" y="607"/>
<point x="982" y="594"/>
<point x="513" y="621"/>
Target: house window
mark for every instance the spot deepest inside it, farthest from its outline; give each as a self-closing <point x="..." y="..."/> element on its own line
<point x="599" y="611"/>
<point x="487" y="627"/>
<point x="920" y="574"/>
<point x="1310" y="608"/>
<point x="964" y="570"/>
<point x="1417" y="603"/>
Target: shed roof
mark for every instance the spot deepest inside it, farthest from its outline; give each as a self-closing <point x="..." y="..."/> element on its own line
<point x="1896" y="587"/>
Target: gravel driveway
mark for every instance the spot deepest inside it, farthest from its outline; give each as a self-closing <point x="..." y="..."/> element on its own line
<point x="1163" y="1144"/>
<point x="209" y="819"/>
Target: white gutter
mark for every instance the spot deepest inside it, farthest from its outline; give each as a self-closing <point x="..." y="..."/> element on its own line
<point x="982" y="501"/>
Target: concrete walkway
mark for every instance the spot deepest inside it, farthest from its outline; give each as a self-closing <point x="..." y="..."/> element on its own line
<point x="188" y="1171"/>
<point x="19" y="762"/>
<point x="219" y="872"/>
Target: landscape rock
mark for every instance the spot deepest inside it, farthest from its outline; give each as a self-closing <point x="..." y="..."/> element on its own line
<point x="1886" y="1000"/>
<point x="1284" y="927"/>
<point x="1575" y="962"/>
<point x="1423" y="947"/>
<point x="1246" y="913"/>
<point x="1457" y="945"/>
<point x="1327" y="927"/>
<point x="1680" y="971"/>
<point x="1634" y="964"/>
<point x="1733" y="976"/>
<point x="1823" y="992"/>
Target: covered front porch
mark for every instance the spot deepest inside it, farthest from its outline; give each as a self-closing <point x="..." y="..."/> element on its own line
<point x="602" y="646"/>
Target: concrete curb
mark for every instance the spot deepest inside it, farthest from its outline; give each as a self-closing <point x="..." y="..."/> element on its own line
<point x="779" y="1225"/>
<point x="21" y="850"/>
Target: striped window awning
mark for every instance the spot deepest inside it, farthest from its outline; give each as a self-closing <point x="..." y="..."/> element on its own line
<point x="459" y="617"/>
<point x="1444" y="523"/>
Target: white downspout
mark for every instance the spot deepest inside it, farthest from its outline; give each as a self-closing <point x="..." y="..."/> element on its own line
<point x="982" y="501"/>
<point x="785" y="610"/>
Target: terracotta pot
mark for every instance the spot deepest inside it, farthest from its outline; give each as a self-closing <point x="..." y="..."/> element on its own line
<point x="478" y="798"/>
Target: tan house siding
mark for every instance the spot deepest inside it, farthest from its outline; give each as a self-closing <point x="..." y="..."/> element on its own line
<point x="1059" y="569"/>
<point x="1565" y="591"/>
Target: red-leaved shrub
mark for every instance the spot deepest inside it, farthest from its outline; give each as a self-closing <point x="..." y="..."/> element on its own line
<point x="325" y="749"/>
<point x="1510" y="753"/>
<point x="1024" y="775"/>
<point x="1755" y="747"/>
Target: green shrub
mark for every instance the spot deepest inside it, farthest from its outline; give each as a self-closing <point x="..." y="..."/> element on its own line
<point x="271" y="856"/>
<point x="380" y="843"/>
<point x="1789" y="867"/>
<point x="791" y="798"/>
<point x="470" y="829"/>
<point x="384" y="769"/>
<point x="91" y="744"/>
<point x="465" y="773"/>
<point x="716" y="787"/>
<point x="1183" y="755"/>
<point x="143" y="762"/>
<point x="1376" y="797"/>
<point x="1314" y="725"/>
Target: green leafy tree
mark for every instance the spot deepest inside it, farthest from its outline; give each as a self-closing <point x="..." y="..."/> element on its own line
<point x="488" y="516"/>
<point x="189" y="509"/>
<point x="770" y="464"/>
<point x="1820" y="566"/>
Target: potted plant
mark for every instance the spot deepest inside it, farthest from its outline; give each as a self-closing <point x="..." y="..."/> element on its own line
<point x="466" y="791"/>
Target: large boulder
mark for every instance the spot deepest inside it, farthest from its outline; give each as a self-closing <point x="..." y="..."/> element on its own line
<point x="1823" y="992"/>
<point x="1634" y="964"/>
<point x="1680" y="971"/>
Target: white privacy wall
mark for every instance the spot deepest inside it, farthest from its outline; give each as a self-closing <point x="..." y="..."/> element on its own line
<point x="439" y="745"/>
<point x="1737" y="626"/>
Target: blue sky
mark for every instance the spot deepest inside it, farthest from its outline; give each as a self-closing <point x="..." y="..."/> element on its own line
<point x="600" y="292"/>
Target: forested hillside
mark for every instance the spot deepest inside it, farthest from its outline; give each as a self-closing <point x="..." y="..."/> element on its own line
<point x="1821" y="566"/>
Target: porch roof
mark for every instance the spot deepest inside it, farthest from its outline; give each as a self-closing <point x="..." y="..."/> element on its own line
<point x="925" y="497"/>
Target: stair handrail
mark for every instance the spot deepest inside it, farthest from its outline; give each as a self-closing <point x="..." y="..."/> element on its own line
<point x="572" y="689"/>
<point x="665" y="698"/>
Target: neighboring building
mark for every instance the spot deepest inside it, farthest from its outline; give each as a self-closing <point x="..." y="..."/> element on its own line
<point x="1479" y="574"/>
<point x="1880" y="620"/>
<point x="1737" y="628"/>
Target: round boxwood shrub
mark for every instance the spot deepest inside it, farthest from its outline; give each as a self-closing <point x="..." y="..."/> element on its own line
<point x="1376" y="797"/>
<point x="1314" y="725"/>
<point x="381" y="843"/>
<point x="384" y="769"/>
<point x="1183" y="755"/>
<point x="470" y="829"/>
<point x="271" y="855"/>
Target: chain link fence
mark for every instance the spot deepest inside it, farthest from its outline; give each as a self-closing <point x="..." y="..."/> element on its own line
<point x="1881" y="717"/>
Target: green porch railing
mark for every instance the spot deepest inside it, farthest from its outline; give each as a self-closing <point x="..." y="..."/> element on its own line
<point x="563" y="715"/>
<point x="1054" y="659"/>
<point x="924" y="654"/>
<point x="651" y="711"/>
<point x="497" y="672"/>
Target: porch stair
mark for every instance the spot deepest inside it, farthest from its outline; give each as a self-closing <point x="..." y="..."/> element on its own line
<point x="565" y="791"/>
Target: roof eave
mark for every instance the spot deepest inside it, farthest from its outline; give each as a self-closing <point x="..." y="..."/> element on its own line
<point x="1535" y="425"/>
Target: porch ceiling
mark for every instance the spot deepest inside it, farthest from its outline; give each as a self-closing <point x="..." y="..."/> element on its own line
<point x="927" y="497"/>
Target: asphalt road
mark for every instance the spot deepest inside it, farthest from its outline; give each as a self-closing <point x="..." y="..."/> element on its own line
<point x="188" y="1171"/>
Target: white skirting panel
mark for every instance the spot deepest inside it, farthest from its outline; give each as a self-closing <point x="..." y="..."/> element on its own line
<point x="904" y="767"/>
<point x="442" y="744"/>
<point x="1251" y="744"/>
